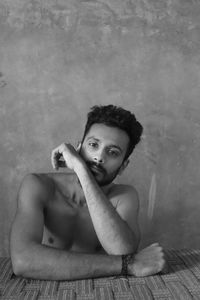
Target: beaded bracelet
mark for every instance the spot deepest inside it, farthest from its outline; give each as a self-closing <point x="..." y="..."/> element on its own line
<point x="126" y="258"/>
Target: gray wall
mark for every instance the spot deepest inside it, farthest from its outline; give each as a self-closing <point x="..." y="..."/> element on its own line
<point x="58" y="58"/>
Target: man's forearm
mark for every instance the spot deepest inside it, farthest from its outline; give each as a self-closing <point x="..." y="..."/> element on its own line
<point x="114" y="233"/>
<point x="42" y="262"/>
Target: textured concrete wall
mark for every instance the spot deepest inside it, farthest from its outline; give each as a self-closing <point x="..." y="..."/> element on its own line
<point x="58" y="58"/>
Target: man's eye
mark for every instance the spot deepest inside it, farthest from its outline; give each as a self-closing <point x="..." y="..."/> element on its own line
<point x="113" y="153"/>
<point x="93" y="145"/>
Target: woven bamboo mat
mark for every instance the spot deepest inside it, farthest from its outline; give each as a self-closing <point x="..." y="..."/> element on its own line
<point x="181" y="281"/>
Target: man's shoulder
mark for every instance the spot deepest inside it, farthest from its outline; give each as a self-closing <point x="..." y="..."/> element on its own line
<point x="45" y="181"/>
<point x="121" y="193"/>
<point x="39" y="180"/>
<point x="35" y="185"/>
<point x="37" y="189"/>
<point x="123" y="189"/>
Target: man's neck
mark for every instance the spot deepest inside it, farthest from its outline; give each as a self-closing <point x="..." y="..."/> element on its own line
<point x="105" y="188"/>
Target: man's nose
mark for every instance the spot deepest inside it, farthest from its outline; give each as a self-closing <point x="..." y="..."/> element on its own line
<point x="99" y="158"/>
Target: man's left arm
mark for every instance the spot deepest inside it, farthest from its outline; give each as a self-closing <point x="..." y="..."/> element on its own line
<point x="117" y="228"/>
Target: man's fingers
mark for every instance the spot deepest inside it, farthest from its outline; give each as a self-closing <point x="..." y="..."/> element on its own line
<point x="154" y="245"/>
<point x="157" y="247"/>
<point x="153" y="248"/>
<point x="64" y="156"/>
<point x="78" y="147"/>
<point x="55" y="155"/>
<point x="53" y="160"/>
<point x="61" y="163"/>
<point x="154" y="269"/>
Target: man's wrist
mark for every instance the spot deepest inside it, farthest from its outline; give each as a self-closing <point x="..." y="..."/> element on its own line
<point x="79" y="166"/>
<point x="126" y="259"/>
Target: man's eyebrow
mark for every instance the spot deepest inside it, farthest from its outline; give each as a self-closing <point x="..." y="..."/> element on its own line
<point x="92" y="137"/>
<point x="115" y="146"/>
<point x="110" y="146"/>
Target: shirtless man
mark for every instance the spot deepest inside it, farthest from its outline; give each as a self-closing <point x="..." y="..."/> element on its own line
<point x="80" y="224"/>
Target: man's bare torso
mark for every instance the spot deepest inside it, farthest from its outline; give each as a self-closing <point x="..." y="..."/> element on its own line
<point x="67" y="222"/>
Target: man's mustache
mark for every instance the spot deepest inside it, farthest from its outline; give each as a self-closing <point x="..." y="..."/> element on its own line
<point x="97" y="166"/>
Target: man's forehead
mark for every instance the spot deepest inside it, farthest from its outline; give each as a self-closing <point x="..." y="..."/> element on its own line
<point x="112" y="135"/>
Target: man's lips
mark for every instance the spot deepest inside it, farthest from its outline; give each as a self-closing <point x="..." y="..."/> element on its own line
<point x="96" y="169"/>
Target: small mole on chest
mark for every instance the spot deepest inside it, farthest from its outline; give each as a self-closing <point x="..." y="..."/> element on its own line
<point x="50" y="240"/>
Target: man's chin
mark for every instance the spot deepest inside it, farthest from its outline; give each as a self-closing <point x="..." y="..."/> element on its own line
<point x="102" y="182"/>
<point x="98" y="178"/>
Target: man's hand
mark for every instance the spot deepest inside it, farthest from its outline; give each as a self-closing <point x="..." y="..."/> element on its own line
<point x="65" y="156"/>
<point x="148" y="261"/>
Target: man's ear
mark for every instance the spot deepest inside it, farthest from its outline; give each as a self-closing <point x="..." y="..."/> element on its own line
<point x="123" y="166"/>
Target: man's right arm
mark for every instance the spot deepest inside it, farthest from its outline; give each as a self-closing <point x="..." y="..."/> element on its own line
<point x="33" y="260"/>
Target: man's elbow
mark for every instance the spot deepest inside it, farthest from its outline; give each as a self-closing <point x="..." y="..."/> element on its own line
<point x="127" y="249"/>
<point x="19" y="258"/>
<point x="21" y="262"/>
<point x="19" y="265"/>
<point x="129" y="245"/>
<point x="132" y="243"/>
<point x="123" y="248"/>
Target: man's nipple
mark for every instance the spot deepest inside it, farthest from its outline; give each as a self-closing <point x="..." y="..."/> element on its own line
<point x="50" y="240"/>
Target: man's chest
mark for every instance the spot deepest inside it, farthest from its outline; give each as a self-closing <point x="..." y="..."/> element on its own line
<point x="68" y="224"/>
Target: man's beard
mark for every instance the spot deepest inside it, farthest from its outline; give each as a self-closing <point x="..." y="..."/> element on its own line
<point x="97" y="168"/>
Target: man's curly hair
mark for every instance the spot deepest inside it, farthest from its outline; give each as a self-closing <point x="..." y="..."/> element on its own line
<point x="118" y="117"/>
